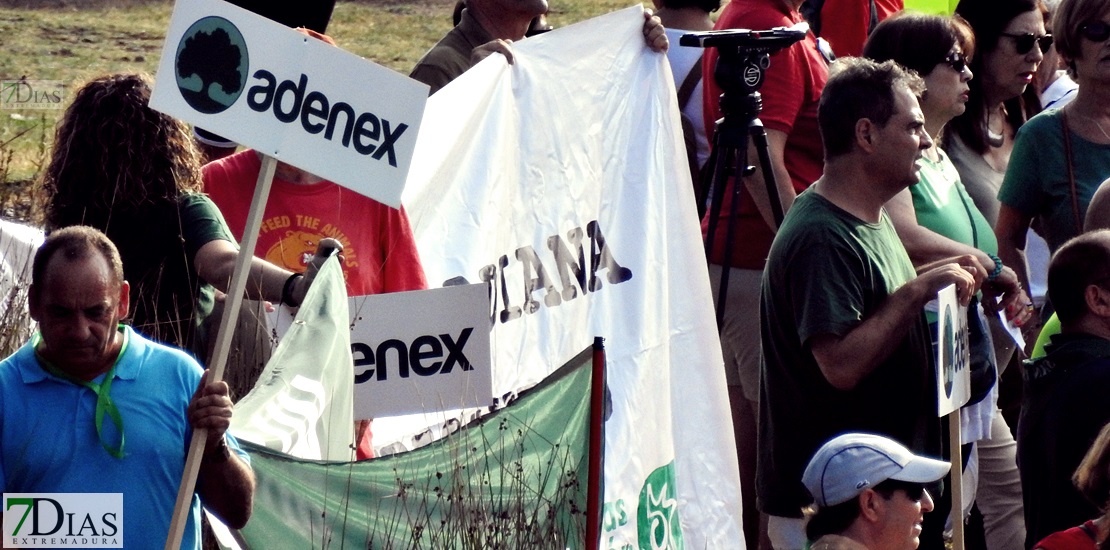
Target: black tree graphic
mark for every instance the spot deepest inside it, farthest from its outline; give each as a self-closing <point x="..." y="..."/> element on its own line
<point x="216" y="61"/>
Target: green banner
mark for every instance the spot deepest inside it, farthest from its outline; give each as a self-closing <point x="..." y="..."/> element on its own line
<point x="515" y="478"/>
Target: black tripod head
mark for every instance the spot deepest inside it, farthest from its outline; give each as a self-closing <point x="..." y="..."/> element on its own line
<point x="743" y="57"/>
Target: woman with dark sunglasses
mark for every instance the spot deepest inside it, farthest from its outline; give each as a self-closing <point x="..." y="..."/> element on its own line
<point x="1062" y="156"/>
<point x="937" y="219"/>
<point x="1011" y="37"/>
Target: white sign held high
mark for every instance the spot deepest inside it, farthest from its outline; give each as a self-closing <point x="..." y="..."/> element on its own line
<point x="295" y="98"/>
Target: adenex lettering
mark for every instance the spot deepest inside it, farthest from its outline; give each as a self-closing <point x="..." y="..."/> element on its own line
<point x="296" y="103"/>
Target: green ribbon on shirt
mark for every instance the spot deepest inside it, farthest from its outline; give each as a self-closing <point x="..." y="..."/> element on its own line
<point x="104" y="403"/>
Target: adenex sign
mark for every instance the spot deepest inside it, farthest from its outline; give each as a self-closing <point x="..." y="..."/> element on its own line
<point x="296" y="98"/>
<point x="421" y="351"/>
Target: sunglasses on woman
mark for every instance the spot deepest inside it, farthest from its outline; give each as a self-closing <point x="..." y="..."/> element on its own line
<point x="1095" y="31"/>
<point x="957" y="61"/>
<point x="1024" y="42"/>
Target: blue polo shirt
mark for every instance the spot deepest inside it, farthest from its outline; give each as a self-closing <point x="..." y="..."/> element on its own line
<point x="49" y="444"/>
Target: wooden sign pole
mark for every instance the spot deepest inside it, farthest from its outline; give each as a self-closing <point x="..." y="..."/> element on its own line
<point x="956" y="458"/>
<point x="223" y="347"/>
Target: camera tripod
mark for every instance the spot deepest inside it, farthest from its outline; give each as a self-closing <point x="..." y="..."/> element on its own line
<point x="743" y="58"/>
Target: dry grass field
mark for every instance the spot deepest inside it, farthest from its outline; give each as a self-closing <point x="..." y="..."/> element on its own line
<point x="70" y="41"/>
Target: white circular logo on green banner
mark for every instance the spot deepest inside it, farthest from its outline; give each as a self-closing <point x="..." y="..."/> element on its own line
<point x="657" y="515"/>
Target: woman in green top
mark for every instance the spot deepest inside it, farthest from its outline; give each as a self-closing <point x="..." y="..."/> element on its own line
<point x="1062" y="155"/>
<point x="936" y="219"/>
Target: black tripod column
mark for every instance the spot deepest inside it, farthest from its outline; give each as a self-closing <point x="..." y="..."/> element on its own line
<point x="743" y="57"/>
<point x="733" y="131"/>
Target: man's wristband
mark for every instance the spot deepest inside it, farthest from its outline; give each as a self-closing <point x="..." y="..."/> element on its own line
<point x="287" y="290"/>
<point x="997" y="267"/>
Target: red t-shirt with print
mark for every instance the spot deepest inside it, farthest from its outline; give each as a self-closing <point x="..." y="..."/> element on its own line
<point x="379" y="252"/>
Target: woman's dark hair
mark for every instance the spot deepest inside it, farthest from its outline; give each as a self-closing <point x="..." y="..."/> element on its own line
<point x="126" y="169"/>
<point x="988" y="19"/>
<point x="919" y="41"/>
<point x="113" y="155"/>
<point x="709" y="6"/>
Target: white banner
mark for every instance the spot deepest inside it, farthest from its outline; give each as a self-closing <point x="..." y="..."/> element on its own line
<point x="18" y="244"/>
<point x="295" y="98"/>
<point x="562" y="182"/>
<point x="421" y="351"/>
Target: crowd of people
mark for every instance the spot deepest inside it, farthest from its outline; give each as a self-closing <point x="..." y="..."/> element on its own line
<point x="142" y="239"/>
<point x="950" y="144"/>
<point x="935" y="152"/>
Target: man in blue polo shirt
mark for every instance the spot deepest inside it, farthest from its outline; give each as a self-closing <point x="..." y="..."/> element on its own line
<point x="90" y="406"/>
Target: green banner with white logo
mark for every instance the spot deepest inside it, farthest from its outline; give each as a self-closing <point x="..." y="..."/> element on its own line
<point x="515" y="478"/>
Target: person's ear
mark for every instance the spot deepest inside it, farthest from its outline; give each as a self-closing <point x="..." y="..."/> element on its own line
<point x="124" y="300"/>
<point x="1098" y="300"/>
<point x="865" y="135"/>
<point x="871" y="505"/>
<point x="33" y="304"/>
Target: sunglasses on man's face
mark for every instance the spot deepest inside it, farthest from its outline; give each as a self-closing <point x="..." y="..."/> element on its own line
<point x="1024" y="42"/>
<point x="915" y="491"/>
<point x="1095" y="31"/>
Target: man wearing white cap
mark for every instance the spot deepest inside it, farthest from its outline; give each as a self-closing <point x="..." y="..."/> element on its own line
<point x="869" y="494"/>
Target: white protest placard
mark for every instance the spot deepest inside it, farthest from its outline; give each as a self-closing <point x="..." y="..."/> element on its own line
<point x="292" y="97"/>
<point x="421" y="351"/>
<point x="953" y="353"/>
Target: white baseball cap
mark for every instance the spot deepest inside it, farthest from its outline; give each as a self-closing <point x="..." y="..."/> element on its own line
<point x="847" y="464"/>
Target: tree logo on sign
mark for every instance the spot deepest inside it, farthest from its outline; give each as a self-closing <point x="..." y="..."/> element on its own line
<point x="948" y="340"/>
<point x="211" y="65"/>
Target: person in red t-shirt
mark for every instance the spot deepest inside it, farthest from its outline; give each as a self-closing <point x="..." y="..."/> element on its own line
<point x="379" y="253"/>
<point x="846" y="24"/>
<point x="790" y="91"/>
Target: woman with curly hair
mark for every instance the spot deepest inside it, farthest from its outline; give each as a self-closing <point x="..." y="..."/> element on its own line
<point x="134" y="173"/>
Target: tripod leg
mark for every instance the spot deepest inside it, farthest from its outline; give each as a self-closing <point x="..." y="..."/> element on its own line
<point x="730" y="234"/>
<point x="724" y="157"/>
<point x="759" y="137"/>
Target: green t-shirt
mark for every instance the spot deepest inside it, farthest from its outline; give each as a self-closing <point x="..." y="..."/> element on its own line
<point x="1036" y="182"/>
<point x="944" y="207"/>
<point x="158" y="247"/>
<point x="827" y="272"/>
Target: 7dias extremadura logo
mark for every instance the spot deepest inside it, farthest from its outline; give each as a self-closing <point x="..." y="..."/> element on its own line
<point x="51" y="520"/>
<point x="211" y="65"/>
